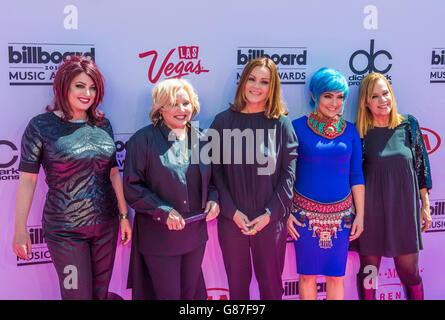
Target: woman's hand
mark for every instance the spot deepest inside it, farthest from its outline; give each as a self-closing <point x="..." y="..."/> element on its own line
<point x="175" y="221"/>
<point x="212" y="209"/>
<point x="257" y="224"/>
<point x="425" y="217"/>
<point x="241" y="221"/>
<point x="290" y="226"/>
<point x="125" y="231"/>
<point x="21" y="244"/>
<point x="357" y="227"/>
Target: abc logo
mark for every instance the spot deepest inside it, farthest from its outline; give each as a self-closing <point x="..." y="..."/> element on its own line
<point x="370" y="59"/>
<point x="8" y="162"/>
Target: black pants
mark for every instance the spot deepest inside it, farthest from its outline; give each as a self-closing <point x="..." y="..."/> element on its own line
<point x="177" y="277"/>
<point x="84" y="258"/>
<point x="268" y="249"/>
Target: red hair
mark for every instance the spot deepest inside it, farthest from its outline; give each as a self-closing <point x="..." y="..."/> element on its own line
<point x="71" y="68"/>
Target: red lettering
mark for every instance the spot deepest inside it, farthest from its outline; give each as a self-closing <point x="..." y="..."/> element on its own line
<point x="427" y="142"/>
<point x="170" y="70"/>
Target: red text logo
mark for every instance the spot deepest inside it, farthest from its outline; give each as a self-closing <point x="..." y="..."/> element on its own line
<point x="432" y="140"/>
<point x="188" y="63"/>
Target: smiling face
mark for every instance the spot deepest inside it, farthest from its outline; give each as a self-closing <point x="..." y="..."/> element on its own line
<point x="330" y="103"/>
<point x="257" y="87"/>
<point x="81" y="95"/>
<point x="380" y="101"/>
<point x="178" y="114"/>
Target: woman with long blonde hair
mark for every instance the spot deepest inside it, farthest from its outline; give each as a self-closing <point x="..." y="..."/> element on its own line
<point x="397" y="175"/>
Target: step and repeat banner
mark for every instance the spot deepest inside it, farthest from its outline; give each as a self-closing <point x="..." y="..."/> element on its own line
<point x="137" y="43"/>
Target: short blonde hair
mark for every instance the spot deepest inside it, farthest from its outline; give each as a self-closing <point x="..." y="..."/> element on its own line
<point x="164" y="93"/>
<point x="365" y="119"/>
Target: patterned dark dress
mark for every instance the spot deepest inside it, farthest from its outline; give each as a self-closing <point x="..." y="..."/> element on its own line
<point x="396" y="167"/>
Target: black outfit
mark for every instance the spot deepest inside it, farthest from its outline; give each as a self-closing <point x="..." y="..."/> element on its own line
<point x="80" y="212"/>
<point x="395" y="167"/>
<point x="157" y="178"/>
<point x="254" y="187"/>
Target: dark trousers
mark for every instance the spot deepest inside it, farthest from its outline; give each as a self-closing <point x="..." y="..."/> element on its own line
<point x="84" y="258"/>
<point x="268" y="248"/>
<point x="177" y="277"/>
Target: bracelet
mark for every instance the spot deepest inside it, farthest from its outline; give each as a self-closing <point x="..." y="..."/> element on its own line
<point x="123" y="216"/>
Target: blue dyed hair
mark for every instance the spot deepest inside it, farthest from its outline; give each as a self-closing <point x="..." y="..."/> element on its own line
<point x="325" y="80"/>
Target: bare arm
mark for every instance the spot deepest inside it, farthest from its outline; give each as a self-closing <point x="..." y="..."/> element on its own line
<point x="25" y="192"/>
<point x="125" y="227"/>
<point x="358" y="194"/>
<point x="425" y="214"/>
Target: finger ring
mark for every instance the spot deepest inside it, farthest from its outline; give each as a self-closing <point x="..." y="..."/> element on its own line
<point x="254" y="231"/>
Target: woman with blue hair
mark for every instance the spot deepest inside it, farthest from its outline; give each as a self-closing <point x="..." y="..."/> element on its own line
<point x="329" y="190"/>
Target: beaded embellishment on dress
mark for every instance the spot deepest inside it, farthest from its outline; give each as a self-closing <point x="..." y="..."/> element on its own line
<point x="328" y="128"/>
<point x="323" y="218"/>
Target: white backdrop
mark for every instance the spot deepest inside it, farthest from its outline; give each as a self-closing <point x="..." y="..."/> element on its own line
<point x="208" y="42"/>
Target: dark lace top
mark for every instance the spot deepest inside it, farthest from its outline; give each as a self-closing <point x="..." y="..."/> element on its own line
<point x="77" y="159"/>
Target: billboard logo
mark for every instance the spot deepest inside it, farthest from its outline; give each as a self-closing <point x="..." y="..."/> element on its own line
<point x="291" y="289"/>
<point x="291" y="62"/>
<point x="36" y="63"/>
<point x="437" y="64"/>
<point x="437" y="209"/>
<point x="188" y="63"/>
<point x="39" y="251"/>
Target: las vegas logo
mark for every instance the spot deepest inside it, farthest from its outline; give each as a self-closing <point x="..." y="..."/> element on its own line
<point x="187" y="64"/>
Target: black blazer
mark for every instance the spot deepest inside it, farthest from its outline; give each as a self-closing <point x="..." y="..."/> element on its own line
<point x="153" y="185"/>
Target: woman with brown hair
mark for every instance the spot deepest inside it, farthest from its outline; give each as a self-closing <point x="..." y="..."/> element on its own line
<point x="397" y="175"/>
<point x="254" y="172"/>
<point x="73" y="142"/>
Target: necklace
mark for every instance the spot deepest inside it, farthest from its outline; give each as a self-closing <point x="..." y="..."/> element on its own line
<point x="328" y="128"/>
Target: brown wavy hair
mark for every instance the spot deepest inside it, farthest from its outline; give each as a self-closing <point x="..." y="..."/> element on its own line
<point x="67" y="71"/>
<point x="275" y="105"/>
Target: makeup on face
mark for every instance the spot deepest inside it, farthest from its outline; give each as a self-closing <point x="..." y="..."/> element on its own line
<point x="330" y="103"/>
<point x="81" y="95"/>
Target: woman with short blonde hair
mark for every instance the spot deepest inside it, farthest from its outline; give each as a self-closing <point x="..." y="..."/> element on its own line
<point x="164" y="93"/>
<point x="172" y="197"/>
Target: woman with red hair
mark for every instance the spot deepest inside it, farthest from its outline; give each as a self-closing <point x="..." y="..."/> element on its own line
<point x="74" y="144"/>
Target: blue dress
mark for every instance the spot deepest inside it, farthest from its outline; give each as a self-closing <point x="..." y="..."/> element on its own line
<point x="326" y="171"/>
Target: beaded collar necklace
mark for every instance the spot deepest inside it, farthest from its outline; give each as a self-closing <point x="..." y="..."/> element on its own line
<point x="328" y="128"/>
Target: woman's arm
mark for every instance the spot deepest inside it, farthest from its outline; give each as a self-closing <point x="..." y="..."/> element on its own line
<point x="358" y="194"/>
<point x="425" y="214"/>
<point x="357" y="182"/>
<point x="21" y="244"/>
<point x="116" y="181"/>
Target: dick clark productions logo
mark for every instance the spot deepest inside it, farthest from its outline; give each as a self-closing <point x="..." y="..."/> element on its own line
<point x="362" y="62"/>
<point x="188" y="63"/>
